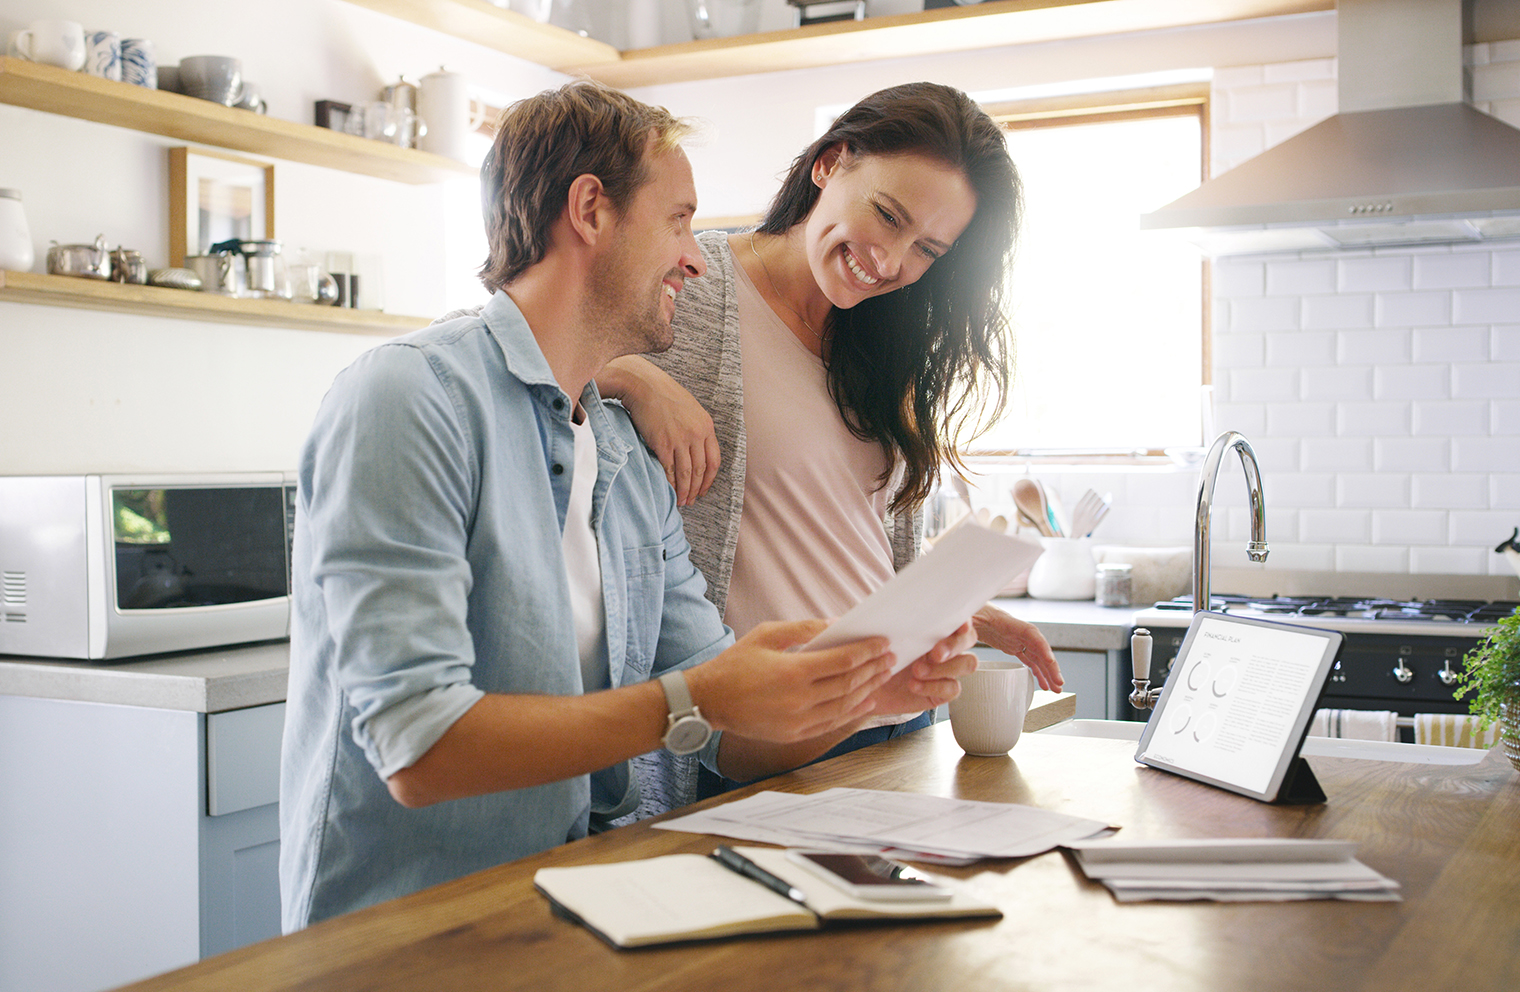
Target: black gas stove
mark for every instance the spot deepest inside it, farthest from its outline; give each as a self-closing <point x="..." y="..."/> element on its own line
<point x="1400" y="655"/>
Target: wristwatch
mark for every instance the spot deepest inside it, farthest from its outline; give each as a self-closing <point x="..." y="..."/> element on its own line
<point x="686" y="730"/>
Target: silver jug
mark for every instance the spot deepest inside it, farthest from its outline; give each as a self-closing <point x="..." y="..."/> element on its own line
<point x="221" y="272"/>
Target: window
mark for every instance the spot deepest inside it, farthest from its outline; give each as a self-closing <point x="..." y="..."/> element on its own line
<point x="1109" y="322"/>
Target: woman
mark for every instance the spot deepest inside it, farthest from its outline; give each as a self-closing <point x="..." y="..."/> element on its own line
<point x="825" y="367"/>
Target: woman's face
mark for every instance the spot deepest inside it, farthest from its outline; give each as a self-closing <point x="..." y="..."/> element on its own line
<point x="881" y="221"/>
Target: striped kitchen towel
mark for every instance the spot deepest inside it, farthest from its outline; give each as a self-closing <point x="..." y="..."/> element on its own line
<point x="1453" y="730"/>
<point x="1361" y="725"/>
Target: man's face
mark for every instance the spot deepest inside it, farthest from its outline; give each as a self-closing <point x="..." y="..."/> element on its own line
<point x="649" y="258"/>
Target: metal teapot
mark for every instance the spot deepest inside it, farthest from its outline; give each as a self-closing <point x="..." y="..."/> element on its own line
<point x="87" y="261"/>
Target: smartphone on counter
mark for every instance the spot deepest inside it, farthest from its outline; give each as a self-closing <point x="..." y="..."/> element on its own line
<point x="869" y="876"/>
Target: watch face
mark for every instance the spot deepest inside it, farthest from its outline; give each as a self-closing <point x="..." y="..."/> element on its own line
<point x="687" y="735"/>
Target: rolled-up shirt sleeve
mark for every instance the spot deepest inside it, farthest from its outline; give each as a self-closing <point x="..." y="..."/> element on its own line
<point x="388" y="500"/>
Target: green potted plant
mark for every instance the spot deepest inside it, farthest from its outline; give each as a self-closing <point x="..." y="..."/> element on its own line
<point x="1491" y="670"/>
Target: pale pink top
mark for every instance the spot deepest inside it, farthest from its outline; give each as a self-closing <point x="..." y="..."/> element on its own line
<point x="812" y="542"/>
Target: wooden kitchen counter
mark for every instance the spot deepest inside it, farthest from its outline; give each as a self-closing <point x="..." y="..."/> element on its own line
<point x="1450" y="834"/>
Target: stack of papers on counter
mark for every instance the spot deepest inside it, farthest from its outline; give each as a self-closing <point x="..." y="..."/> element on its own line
<point x="1235" y="870"/>
<point x="898" y="824"/>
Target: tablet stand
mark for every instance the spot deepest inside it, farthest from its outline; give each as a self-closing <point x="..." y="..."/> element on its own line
<point x="1299" y="785"/>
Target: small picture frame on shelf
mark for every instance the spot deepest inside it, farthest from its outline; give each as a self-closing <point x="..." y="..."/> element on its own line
<point x="333" y="115"/>
<point x="214" y="197"/>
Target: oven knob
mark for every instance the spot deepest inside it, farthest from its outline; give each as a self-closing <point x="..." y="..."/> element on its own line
<point x="1447" y="675"/>
<point x="1403" y="672"/>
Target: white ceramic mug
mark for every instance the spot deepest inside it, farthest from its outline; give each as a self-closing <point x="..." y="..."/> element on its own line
<point x="139" y="62"/>
<point x="54" y="42"/>
<point x="988" y="716"/>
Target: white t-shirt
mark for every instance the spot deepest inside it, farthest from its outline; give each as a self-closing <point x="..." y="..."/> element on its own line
<point x="812" y="542"/>
<point x="583" y="565"/>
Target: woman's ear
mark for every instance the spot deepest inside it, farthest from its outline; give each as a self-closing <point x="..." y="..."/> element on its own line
<point x="829" y="161"/>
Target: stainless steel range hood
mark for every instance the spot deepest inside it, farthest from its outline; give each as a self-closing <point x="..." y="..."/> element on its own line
<point x="1406" y="161"/>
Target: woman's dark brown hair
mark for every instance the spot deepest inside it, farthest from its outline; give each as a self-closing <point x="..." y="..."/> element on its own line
<point x="542" y="144"/>
<point x="926" y="367"/>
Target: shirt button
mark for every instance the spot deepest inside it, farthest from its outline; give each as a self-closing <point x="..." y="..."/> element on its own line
<point x="559" y="402"/>
<point x="558" y="469"/>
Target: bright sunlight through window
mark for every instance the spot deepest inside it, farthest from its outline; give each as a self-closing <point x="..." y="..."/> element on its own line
<point x="1107" y="319"/>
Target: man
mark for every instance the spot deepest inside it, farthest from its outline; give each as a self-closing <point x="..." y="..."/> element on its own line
<point x="490" y="568"/>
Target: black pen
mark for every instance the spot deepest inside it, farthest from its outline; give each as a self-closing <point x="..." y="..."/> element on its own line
<point x="734" y="861"/>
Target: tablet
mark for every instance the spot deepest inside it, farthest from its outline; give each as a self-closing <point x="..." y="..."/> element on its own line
<point x="1237" y="704"/>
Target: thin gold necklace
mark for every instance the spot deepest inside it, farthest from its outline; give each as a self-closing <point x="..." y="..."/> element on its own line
<point x="777" y="293"/>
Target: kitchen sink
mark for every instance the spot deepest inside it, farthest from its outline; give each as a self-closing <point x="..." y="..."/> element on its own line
<point x="1314" y="747"/>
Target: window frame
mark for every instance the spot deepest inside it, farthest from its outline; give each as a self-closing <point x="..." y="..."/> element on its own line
<point x="1178" y="100"/>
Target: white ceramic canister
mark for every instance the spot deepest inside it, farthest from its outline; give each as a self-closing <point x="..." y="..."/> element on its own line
<point x="1065" y="571"/>
<point x="16" y="252"/>
<point x="443" y="103"/>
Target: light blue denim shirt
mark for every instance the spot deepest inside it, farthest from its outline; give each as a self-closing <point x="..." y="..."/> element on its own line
<point x="428" y="571"/>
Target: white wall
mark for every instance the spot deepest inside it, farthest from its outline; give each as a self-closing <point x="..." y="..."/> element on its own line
<point x="86" y="391"/>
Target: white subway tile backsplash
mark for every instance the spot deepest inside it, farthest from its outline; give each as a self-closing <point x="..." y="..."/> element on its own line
<point x="1374" y="419"/>
<point x="1279" y="131"/>
<point x="1232" y="77"/>
<point x="1301" y="419"/>
<point x="1485" y="528"/>
<point x="1382" y="346"/>
<point x="1411" y="454"/>
<point x="1337" y="454"/>
<point x="1504" y="492"/>
<point x="1450" y="491"/>
<point x="1500" y="305"/>
<point x="1280" y="313"/>
<point x="1494" y="380"/>
<point x="1413" y="309"/>
<point x="1369" y="558"/>
<point x="1451" y="344"/>
<point x="1412" y="382"/>
<point x="1336" y="383"/>
<point x="1372" y="489"/>
<point x="1301" y="348"/>
<point x="1317" y="99"/>
<point x="1504" y="343"/>
<point x="1297" y="557"/>
<point x="1287" y="489"/>
<point x="1263" y="385"/>
<point x="1425" y="527"/>
<point x="1455" y="271"/>
<point x="1375" y="274"/>
<point x="1451" y="417"/>
<point x="1485" y="454"/>
<point x="1240" y="350"/>
<point x="1237" y="280"/>
<point x="1507" y="111"/>
<point x="1505" y="417"/>
<point x="1448" y="561"/>
<point x="1503" y="51"/>
<point x="1339" y="311"/>
<point x="1275" y="454"/>
<point x="1335" y="526"/>
<point x="1299" y="277"/>
<point x="1506" y="268"/>
<point x="1265" y="103"/>
<point x="1232" y="144"/>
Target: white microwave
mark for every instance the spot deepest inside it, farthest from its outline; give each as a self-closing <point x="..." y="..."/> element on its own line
<point x="115" y="566"/>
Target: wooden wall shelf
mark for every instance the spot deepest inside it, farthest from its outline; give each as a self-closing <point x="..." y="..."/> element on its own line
<point x="157" y="301"/>
<point x="991" y="24"/>
<point x="173" y="115"/>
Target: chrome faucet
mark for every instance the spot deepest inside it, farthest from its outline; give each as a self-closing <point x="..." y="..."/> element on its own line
<point x="1143" y="696"/>
<point x="1257" y="549"/>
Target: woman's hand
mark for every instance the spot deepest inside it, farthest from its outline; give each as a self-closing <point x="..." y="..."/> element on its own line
<point x="1021" y="639"/>
<point x="670" y="420"/>
<point x="932" y="679"/>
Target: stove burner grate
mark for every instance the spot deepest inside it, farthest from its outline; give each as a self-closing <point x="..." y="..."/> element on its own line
<point x="1353" y="607"/>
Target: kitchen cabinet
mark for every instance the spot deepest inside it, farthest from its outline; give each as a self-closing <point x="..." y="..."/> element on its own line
<point x="950" y="29"/>
<point x="133" y="839"/>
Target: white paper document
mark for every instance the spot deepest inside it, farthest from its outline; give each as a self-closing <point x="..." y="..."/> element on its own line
<point x="911" y="825"/>
<point x="926" y="601"/>
<point x="1232" y="870"/>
